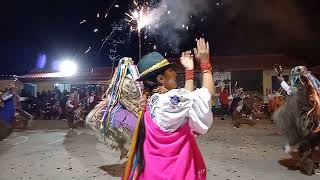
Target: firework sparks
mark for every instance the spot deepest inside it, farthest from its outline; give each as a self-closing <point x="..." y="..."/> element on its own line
<point x="88" y="50"/>
<point x="83" y="21"/>
<point x="140" y="17"/>
<point x="106" y="14"/>
<point x="95" y="30"/>
<point x="143" y="16"/>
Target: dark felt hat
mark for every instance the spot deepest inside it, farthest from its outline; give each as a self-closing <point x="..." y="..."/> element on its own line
<point x="151" y="64"/>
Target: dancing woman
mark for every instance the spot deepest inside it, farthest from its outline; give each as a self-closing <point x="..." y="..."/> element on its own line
<point x="164" y="146"/>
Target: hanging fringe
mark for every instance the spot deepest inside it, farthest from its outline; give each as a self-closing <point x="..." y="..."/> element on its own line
<point x="130" y="162"/>
<point x="116" y="83"/>
<point x="299" y="115"/>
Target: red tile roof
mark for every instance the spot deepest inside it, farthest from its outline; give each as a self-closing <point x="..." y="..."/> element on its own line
<point x="102" y="73"/>
<point x="220" y="63"/>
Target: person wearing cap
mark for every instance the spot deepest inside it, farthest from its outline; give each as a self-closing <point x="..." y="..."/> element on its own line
<point x="164" y="146"/>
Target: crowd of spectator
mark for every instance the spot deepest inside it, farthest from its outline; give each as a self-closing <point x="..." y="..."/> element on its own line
<point x="49" y="105"/>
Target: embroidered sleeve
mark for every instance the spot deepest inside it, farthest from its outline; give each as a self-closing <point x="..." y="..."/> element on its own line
<point x="179" y="106"/>
<point x="200" y="114"/>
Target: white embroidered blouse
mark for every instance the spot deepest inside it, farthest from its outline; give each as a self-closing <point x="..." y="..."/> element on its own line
<point x="173" y="109"/>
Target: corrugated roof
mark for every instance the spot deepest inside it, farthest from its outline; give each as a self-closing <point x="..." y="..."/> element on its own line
<point x="102" y="73"/>
<point x="7" y="76"/>
<point x="220" y="63"/>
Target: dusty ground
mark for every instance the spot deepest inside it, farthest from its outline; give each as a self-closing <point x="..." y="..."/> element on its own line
<point x="49" y="151"/>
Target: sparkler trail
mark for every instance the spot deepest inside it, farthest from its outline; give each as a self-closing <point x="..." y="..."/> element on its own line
<point x="106" y="15"/>
<point x="83" y="21"/>
<point x="161" y="21"/>
<point x="96" y="30"/>
<point x="88" y="50"/>
<point x="105" y="40"/>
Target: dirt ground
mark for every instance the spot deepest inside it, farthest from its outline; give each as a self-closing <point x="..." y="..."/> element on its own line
<point x="50" y="151"/>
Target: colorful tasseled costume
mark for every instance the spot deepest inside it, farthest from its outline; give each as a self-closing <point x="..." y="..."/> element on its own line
<point x="116" y="116"/>
<point x="299" y="119"/>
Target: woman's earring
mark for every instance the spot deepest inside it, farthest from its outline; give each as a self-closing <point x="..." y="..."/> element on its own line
<point x="162" y="89"/>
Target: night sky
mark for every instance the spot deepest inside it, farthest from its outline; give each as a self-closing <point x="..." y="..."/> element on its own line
<point x="233" y="27"/>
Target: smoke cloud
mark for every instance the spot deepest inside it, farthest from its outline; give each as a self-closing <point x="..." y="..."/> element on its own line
<point x="172" y="20"/>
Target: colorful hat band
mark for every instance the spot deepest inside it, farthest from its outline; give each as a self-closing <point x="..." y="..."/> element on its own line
<point x="156" y="66"/>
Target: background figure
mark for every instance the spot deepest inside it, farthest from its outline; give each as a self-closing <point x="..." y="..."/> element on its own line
<point x="92" y="100"/>
<point x="22" y="118"/>
<point x="224" y="102"/>
<point x="71" y="105"/>
<point x="7" y="112"/>
<point x="236" y="107"/>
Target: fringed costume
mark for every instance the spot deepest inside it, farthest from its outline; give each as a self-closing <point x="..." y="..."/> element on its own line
<point x="299" y="118"/>
<point x="116" y="116"/>
<point x="275" y="102"/>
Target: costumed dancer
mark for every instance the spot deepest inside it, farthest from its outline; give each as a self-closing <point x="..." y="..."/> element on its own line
<point x="236" y="106"/>
<point x="164" y="146"/>
<point x="22" y="118"/>
<point x="299" y="117"/>
<point x="7" y="112"/>
<point x="71" y="105"/>
<point x="295" y="83"/>
<point x="241" y="103"/>
<point x="115" y="117"/>
<point x="248" y="104"/>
